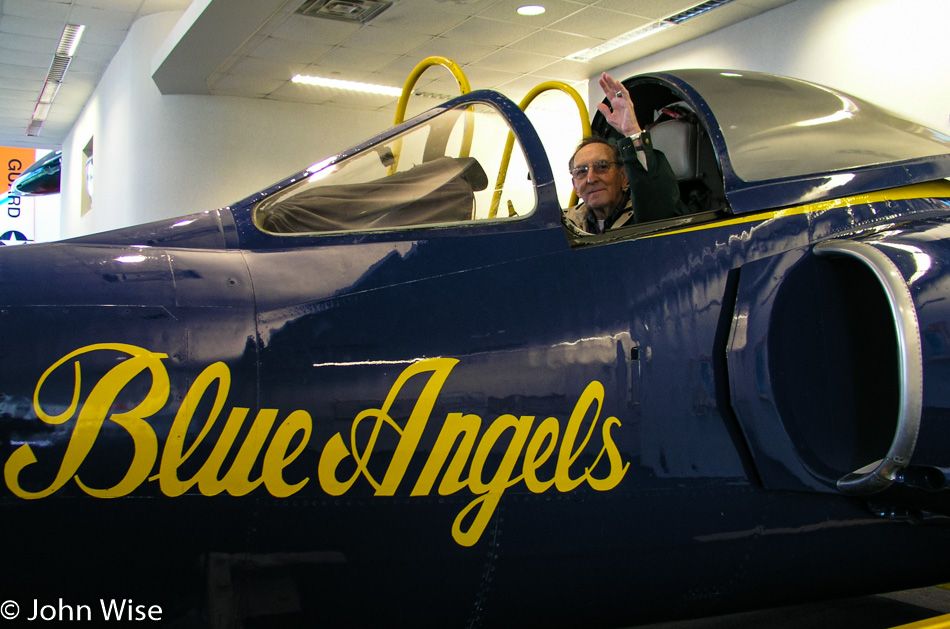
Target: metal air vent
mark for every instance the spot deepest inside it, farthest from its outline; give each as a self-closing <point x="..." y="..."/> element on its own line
<point x="361" y="11"/>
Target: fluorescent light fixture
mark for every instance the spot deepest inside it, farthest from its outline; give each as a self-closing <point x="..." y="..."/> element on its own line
<point x="41" y="111"/>
<point x="627" y="38"/>
<point x="49" y="92"/>
<point x="355" y="86"/>
<point x="697" y="10"/>
<point x="69" y="40"/>
<point x="531" y="9"/>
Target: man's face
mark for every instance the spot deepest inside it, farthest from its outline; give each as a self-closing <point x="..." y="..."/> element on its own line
<point x="601" y="192"/>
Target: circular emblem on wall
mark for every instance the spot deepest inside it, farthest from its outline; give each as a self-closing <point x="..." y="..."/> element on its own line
<point x="13" y="238"/>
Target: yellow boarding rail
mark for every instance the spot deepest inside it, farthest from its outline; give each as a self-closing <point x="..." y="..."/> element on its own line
<point x="410" y="84"/>
<point x="509" y="145"/>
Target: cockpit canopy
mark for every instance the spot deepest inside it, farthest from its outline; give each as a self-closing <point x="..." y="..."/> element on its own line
<point x="451" y="169"/>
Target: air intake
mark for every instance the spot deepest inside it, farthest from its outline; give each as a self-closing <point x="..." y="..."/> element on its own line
<point x="360" y="11"/>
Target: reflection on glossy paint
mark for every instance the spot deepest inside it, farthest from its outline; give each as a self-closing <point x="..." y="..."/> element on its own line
<point x="922" y="259"/>
<point x="832" y="182"/>
<point x="321" y="170"/>
<point x="131" y="259"/>
<point x="848" y="109"/>
<point x="369" y="363"/>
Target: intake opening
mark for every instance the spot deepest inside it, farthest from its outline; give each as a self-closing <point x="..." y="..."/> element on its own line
<point x="834" y="364"/>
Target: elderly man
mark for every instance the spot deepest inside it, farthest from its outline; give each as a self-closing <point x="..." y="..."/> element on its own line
<point x="623" y="184"/>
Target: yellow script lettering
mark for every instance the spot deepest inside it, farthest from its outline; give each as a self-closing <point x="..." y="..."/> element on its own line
<point x="510" y="438"/>
<point x="93" y="414"/>
<point x="336" y="450"/>
<point x="468" y="453"/>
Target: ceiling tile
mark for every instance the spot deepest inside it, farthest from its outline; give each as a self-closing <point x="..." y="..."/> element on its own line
<point x="518" y="88"/>
<point x="74" y="94"/>
<point x="106" y="36"/>
<point x="127" y="6"/>
<point x="599" y="23"/>
<point x="9" y="71"/>
<point x="266" y="68"/>
<point x="346" y="58"/>
<point x="16" y="108"/>
<point x="566" y="70"/>
<point x="11" y="93"/>
<point x="389" y="40"/>
<point x="24" y="43"/>
<point x="397" y="72"/>
<point x="297" y="92"/>
<point x="456" y="50"/>
<point x="20" y="58"/>
<point x="86" y="66"/>
<point x="293" y="51"/>
<point x="311" y="29"/>
<point x="483" y="78"/>
<point x="45" y="29"/>
<point x="483" y="31"/>
<point x="410" y="18"/>
<point x="561" y="44"/>
<point x="159" y="6"/>
<point x="361" y="100"/>
<point x="332" y="72"/>
<point x="25" y="85"/>
<point x="37" y="9"/>
<point x="460" y="7"/>
<point x="511" y="60"/>
<point x="92" y="17"/>
<point x="89" y="50"/>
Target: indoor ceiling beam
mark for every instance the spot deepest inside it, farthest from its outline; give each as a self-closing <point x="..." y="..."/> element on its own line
<point x="208" y="32"/>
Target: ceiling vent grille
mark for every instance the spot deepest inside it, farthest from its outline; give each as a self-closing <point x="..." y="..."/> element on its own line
<point x="360" y="11"/>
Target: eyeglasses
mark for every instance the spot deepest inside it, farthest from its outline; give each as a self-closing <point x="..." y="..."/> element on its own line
<point x="599" y="167"/>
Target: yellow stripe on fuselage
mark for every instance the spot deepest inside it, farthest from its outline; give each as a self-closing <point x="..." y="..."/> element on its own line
<point x="931" y="189"/>
<point x="940" y="622"/>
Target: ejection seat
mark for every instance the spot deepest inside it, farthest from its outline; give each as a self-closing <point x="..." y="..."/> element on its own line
<point x="691" y="156"/>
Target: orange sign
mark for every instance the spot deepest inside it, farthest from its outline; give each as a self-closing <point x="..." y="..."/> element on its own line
<point x="14" y="161"/>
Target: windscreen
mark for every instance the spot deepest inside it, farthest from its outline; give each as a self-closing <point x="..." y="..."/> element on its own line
<point x="450" y="169"/>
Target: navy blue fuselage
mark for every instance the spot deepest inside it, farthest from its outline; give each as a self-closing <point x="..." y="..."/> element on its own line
<point x="463" y="424"/>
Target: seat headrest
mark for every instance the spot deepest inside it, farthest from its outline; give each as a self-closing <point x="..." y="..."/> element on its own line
<point x="677" y="140"/>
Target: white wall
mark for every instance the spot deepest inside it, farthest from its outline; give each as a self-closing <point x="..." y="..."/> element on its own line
<point x="164" y="156"/>
<point x="894" y="53"/>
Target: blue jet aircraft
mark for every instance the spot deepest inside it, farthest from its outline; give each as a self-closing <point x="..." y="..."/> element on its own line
<point x="395" y="389"/>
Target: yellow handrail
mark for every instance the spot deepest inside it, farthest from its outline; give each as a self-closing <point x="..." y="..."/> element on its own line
<point x="421" y="67"/>
<point x="464" y="88"/>
<point x="509" y="145"/>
